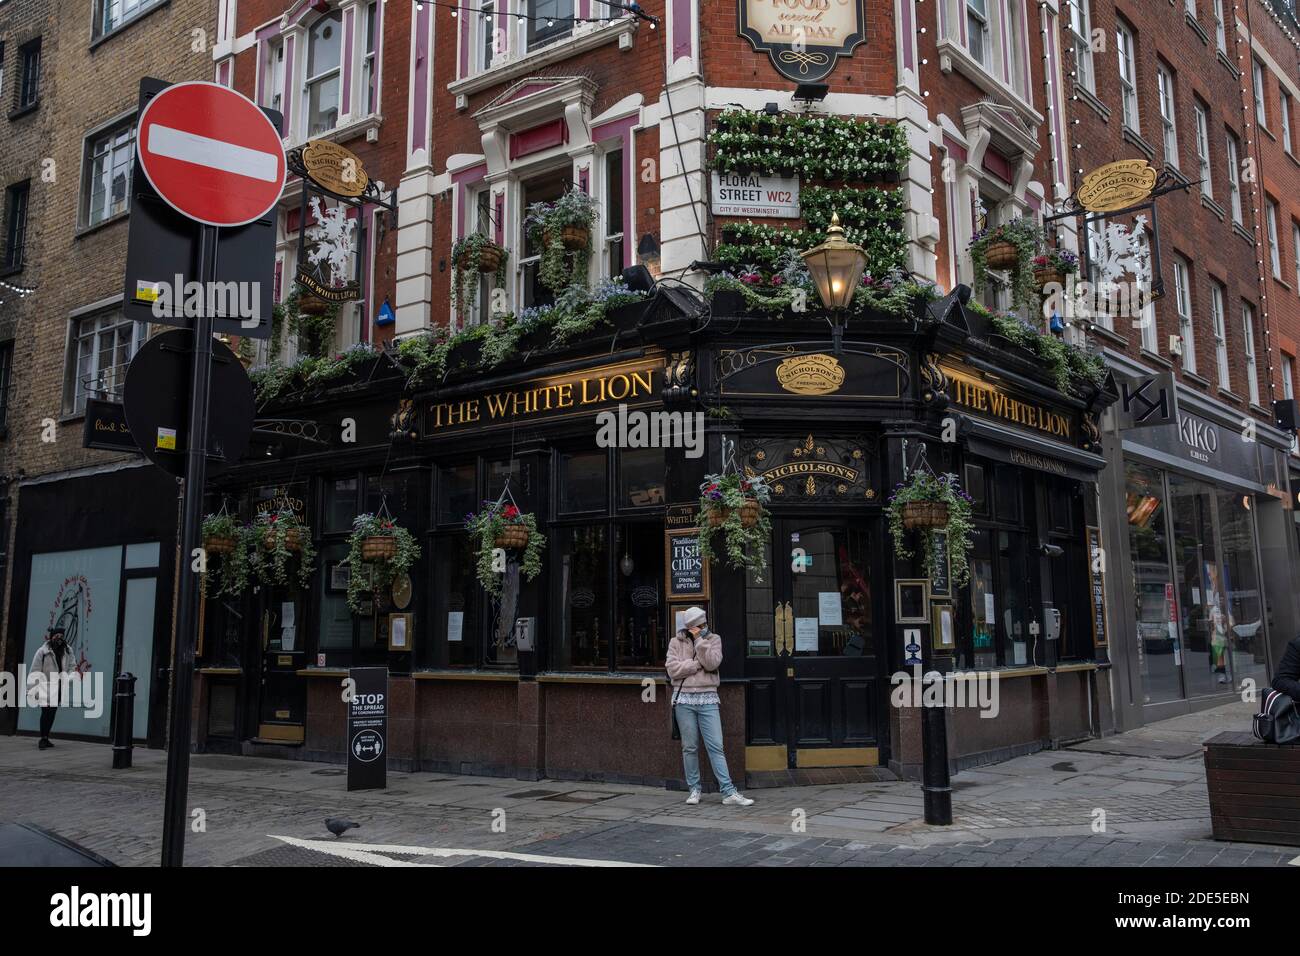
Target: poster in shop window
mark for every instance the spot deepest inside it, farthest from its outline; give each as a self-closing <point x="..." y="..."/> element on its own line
<point x="804" y="38"/>
<point x="1097" y="587"/>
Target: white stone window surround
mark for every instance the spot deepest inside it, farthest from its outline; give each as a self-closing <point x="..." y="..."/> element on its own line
<point x="997" y="78"/>
<point x="354" y="120"/>
<point x="511" y="63"/>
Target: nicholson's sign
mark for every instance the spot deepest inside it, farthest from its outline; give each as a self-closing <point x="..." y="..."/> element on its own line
<point x="1117" y="186"/>
<point x="804" y="38"/>
<point x="634" y="384"/>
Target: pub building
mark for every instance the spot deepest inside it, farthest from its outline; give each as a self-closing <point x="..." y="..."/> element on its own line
<point x="1197" y="516"/>
<point x="828" y="418"/>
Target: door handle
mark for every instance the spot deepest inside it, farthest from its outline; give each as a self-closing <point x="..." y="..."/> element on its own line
<point x="784" y="628"/>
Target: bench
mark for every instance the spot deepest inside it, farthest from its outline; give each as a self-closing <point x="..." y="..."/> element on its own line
<point x="1254" y="789"/>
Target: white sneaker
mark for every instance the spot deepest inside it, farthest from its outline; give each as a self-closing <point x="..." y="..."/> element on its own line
<point x="694" y="798"/>
<point x="737" y="799"/>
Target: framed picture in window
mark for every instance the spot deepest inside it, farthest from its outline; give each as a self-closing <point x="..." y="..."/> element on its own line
<point x="943" y="628"/>
<point x="401" y="630"/>
<point x="339" y="576"/>
<point x="911" y="601"/>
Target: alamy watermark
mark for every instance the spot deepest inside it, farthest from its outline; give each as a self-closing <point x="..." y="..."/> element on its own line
<point x="81" y="691"/>
<point x="190" y="300"/>
<point x="978" y="690"/>
<point x="626" y="428"/>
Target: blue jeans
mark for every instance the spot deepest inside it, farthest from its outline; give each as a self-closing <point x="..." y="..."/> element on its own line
<point x="696" y="720"/>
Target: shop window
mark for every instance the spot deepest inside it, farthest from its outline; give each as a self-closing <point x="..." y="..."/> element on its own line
<point x="981" y="652"/>
<point x="1154" y="604"/>
<point x="760" y="631"/>
<point x="1060" y="507"/>
<point x="15" y="225"/>
<point x="456" y="602"/>
<point x="400" y="492"/>
<point x="642" y="477"/>
<point x="641" y="631"/>
<point x="584" y="484"/>
<point x="1246" y="638"/>
<point x="975" y="488"/>
<point x="457" y="492"/>
<point x="324" y="55"/>
<point x="109" y="156"/>
<point x="101" y="348"/>
<point x="1202" y="600"/>
<point x="335" y="630"/>
<point x="583" y="634"/>
<point x="340" y="504"/>
<point x="552" y="20"/>
<point x="112" y="14"/>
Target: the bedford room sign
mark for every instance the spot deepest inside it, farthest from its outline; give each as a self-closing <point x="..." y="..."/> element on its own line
<point x="804" y="38"/>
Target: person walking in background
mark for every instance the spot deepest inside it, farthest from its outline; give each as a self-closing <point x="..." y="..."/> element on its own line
<point x="52" y="660"/>
<point x="694" y="656"/>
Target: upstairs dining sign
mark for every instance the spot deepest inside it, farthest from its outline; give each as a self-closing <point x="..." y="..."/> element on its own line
<point x="804" y="38"/>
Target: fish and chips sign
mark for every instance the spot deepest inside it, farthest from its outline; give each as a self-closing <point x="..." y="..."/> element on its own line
<point x="804" y="38"/>
<point x="1117" y="186"/>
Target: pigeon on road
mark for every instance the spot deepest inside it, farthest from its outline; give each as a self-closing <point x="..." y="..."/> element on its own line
<point x="339" y="826"/>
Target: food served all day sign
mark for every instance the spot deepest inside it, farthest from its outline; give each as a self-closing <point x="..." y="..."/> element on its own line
<point x="745" y="194"/>
<point x="804" y="38"/>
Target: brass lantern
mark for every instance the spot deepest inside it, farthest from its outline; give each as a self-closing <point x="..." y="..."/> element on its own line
<point x="836" y="266"/>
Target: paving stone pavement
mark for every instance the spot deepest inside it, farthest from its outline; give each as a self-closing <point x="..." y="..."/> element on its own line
<point x="1040" y="809"/>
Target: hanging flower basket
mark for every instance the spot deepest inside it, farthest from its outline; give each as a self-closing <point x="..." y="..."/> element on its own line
<point x="575" y="238"/>
<point x="310" y="304"/>
<point x="226" y="541"/>
<point x="378" y="547"/>
<point x="735" y="505"/>
<point x="219" y="545"/>
<point x="1045" y="276"/>
<point x="925" y="514"/>
<point x="273" y="539"/>
<point x="1054" y="266"/>
<point x="292" y="539"/>
<point x="1001" y="255"/>
<point x="502" y="525"/>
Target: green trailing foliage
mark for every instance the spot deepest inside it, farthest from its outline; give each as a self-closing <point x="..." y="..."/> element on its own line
<point x="545" y="223"/>
<point x="366" y="576"/>
<point x="1073" y="369"/>
<point x="486" y="526"/>
<point x="1023" y="233"/>
<point x="270" y="565"/>
<point x="465" y="255"/>
<point x="925" y="486"/>
<point x="812" y="147"/>
<point x="743" y="548"/>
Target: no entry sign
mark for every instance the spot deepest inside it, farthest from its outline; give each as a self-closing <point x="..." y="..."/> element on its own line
<point x="211" y="154"/>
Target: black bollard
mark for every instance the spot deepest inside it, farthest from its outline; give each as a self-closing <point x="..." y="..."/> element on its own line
<point x="936" y="784"/>
<point x="123" y="719"/>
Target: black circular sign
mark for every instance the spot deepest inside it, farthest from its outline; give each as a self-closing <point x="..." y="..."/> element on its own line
<point x="156" y="397"/>
<point x="367" y="745"/>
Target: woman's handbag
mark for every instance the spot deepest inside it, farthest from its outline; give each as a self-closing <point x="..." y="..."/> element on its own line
<point x="1277" y="722"/>
<point x="672" y="710"/>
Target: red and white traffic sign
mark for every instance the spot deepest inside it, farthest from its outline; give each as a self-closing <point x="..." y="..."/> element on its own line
<point x="211" y="153"/>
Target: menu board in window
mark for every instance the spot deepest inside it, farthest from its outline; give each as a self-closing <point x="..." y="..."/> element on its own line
<point x="687" y="570"/>
<point x="941" y="576"/>
<point x="1097" y="587"/>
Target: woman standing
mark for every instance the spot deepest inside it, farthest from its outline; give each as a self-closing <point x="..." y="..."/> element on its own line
<point x="694" y="656"/>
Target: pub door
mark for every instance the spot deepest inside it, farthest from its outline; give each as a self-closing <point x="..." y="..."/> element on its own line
<point x="282" y="697"/>
<point x="815" y="690"/>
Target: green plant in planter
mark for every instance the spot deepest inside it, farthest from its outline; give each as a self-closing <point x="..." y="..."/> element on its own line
<point x="925" y="486"/>
<point x="424" y="356"/>
<point x="367" y="574"/>
<point x="736" y="505"/>
<point x="578" y="311"/>
<point x="545" y="223"/>
<point x="315" y="332"/>
<point x="270" y="381"/>
<point x="465" y="256"/>
<point x="269" y="551"/>
<point x="470" y="333"/>
<point x="232" y="579"/>
<point x="328" y="369"/>
<point x="1022" y="233"/>
<point x="502" y="520"/>
<point x="1068" y="364"/>
<point x="502" y="341"/>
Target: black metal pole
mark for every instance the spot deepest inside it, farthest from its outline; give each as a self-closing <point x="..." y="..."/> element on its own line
<point x="175" y="806"/>
<point x="936" y="785"/>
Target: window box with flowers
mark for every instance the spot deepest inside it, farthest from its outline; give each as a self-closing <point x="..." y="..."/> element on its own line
<point x="502" y="525"/>
<point x="927" y="503"/>
<point x="1073" y="370"/>
<point x="563" y="230"/>
<point x="1008" y="246"/>
<point x="379" y="551"/>
<point x="736" y="505"/>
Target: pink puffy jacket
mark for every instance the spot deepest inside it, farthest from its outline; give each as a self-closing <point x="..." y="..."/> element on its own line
<point x="693" y="664"/>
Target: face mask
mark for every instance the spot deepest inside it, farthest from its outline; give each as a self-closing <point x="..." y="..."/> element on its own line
<point x="704" y="630"/>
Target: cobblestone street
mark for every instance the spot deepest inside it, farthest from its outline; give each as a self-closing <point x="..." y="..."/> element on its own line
<point x="1044" y="809"/>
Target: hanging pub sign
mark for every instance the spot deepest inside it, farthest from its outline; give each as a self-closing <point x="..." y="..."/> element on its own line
<point x="106" y="427"/>
<point x="1117" y="186"/>
<point x="804" y="38"/>
<point x="335" y="194"/>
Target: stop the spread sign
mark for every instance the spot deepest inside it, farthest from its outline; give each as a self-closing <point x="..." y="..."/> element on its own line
<point x="211" y="154"/>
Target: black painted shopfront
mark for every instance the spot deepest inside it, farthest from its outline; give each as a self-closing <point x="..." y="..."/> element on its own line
<point x="809" y="648"/>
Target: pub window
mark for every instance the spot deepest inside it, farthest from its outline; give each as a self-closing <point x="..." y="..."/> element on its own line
<point x="614" y="239"/>
<point x="340" y="504"/>
<point x="975" y="488"/>
<point x="457" y="492"/>
<point x="584" y="484"/>
<point x="498" y="473"/>
<point x="642" y="477"/>
<point x="335" y="633"/>
<point x="399" y="492"/>
<point x="640" y="615"/>
<point x="551" y="20"/>
<point x="1007" y="493"/>
<point x="546" y="188"/>
<point x="456" y="606"/>
<point x="108" y="158"/>
<point x="583" y="568"/>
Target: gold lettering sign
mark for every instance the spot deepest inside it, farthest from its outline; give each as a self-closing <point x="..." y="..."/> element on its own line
<point x="810" y="375"/>
<point x="988" y="401"/>
<point x="1117" y="185"/>
<point x="633" y="384"/>
<point x="804" y="38"/>
<point x="334" y="168"/>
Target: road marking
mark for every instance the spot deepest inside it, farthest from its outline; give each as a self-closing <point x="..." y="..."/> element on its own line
<point x="1296" y="861"/>
<point x="212" y="153"/>
<point x="368" y="853"/>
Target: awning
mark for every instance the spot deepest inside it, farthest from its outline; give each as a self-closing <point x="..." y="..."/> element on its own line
<point x="1017" y="448"/>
